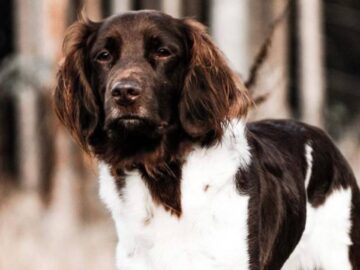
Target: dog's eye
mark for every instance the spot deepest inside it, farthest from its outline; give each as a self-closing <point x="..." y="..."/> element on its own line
<point x="163" y="52"/>
<point x="103" y="56"/>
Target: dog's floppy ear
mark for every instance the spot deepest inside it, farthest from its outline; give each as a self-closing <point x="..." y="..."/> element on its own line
<point x="212" y="93"/>
<point x="75" y="102"/>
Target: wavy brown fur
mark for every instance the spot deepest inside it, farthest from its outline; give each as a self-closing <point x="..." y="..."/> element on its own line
<point x="75" y="101"/>
<point x="212" y="93"/>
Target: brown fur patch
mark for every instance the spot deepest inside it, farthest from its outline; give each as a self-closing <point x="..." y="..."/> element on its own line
<point x="212" y="92"/>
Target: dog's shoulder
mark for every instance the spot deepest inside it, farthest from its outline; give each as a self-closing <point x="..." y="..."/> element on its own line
<point x="307" y="152"/>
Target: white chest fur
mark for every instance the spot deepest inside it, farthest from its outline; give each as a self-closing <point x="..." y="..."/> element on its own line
<point x="212" y="230"/>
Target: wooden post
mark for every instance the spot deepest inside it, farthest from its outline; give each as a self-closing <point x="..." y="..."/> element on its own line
<point x="229" y="27"/>
<point x="38" y="53"/>
<point x="118" y="6"/>
<point x="45" y="17"/>
<point x="43" y="48"/>
<point x="311" y="61"/>
<point x="171" y="7"/>
<point x="29" y="43"/>
<point x="29" y="145"/>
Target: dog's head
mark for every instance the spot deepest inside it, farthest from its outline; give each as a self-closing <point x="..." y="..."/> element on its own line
<point x="138" y="74"/>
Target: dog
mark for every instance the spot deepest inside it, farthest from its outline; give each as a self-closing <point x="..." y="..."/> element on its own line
<point x="190" y="184"/>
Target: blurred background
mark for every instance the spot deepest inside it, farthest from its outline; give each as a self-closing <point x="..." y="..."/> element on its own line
<point x="50" y="214"/>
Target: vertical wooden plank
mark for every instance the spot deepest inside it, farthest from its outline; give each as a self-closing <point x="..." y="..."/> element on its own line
<point x="42" y="15"/>
<point x="51" y="19"/>
<point x="56" y="23"/>
<point x="118" y="6"/>
<point x="311" y="61"/>
<point x="172" y="7"/>
<point x="229" y="27"/>
<point x="29" y="146"/>
<point x="38" y="51"/>
<point x="26" y="40"/>
<point x="29" y="44"/>
<point x="46" y="17"/>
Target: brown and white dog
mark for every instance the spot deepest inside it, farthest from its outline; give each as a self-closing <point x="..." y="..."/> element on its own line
<point x="189" y="184"/>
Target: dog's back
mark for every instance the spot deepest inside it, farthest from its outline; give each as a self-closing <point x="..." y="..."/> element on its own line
<point x="305" y="184"/>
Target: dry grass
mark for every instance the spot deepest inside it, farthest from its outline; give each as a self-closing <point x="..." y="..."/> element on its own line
<point x="32" y="237"/>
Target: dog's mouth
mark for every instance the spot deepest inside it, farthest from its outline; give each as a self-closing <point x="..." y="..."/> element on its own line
<point x="131" y="125"/>
<point x="132" y="120"/>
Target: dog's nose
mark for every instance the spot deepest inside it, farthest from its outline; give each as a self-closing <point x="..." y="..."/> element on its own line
<point x="125" y="93"/>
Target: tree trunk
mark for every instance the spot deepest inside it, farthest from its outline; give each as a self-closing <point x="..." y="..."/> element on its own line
<point x="311" y="62"/>
<point x="230" y="30"/>
<point x="118" y="6"/>
<point x="172" y="7"/>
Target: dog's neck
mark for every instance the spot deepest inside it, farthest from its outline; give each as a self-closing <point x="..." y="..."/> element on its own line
<point x="130" y="153"/>
<point x="162" y="169"/>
